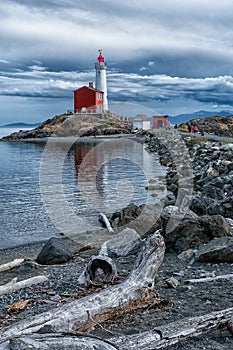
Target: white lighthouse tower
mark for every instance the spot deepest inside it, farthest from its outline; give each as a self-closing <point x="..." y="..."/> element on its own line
<point x="101" y="79"/>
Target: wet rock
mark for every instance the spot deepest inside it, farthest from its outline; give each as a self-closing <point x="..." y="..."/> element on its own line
<point x="55" y="251"/>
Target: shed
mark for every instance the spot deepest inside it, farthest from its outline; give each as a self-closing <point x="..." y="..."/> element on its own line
<point x="141" y="122"/>
<point x="160" y="121"/>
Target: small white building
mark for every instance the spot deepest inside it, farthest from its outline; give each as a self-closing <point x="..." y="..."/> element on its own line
<point x="141" y="122"/>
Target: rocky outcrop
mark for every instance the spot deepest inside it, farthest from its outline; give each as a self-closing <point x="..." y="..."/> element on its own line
<point x="222" y="126"/>
<point x="77" y="125"/>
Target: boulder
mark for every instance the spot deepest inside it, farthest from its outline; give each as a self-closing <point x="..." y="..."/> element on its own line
<point x="55" y="251"/>
<point x="148" y="220"/>
<point x="124" y="243"/>
<point x="217" y="250"/>
<point x="144" y="219"/>
<point x="191" y="232"/>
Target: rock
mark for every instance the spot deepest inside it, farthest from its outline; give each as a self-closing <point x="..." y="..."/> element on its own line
<point x="148" y="220"/>
<point x="191" y="232"/>
<point x="55" y="251"/>
<point x="55" y="298"/>
<point x="230" y="222"/>
<point x="124" y="243"/>
<point x="27" y="265"/>
<point x="230" y="326"/>
<point x="218" y="250"/>
<point x="186" y="255"/>
<point x="172" y="282"/>
<point x="228" y="147"/>
<point x="144" y="219"/>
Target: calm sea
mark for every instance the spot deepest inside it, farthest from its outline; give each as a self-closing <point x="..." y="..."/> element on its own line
<point x="61" y="186"/>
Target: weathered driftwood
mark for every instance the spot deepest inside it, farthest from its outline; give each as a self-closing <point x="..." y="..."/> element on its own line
<point x="71" y="316"/>
<point x="58" y="342"/>
<point x="170" y="334"/>
<point x="159" y="338"/>
<point x="209" y="279"/>
<point x="103" y="218"/>
<point x="10" y="265"/>
<point x="13" y="285"/>
<point x="100" y="270"/>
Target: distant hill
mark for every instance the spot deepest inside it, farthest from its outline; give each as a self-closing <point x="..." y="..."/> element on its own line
<point x="183" y="118"/>
<point x="20" y="125"/>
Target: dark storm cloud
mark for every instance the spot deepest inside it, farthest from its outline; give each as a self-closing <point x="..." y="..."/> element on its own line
<point x="183" y="37"/>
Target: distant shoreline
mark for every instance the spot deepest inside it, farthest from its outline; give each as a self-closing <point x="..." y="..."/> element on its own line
<point x="19" y="125"/>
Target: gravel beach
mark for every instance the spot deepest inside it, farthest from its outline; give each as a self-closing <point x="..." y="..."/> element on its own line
<point x="186" y="300"/>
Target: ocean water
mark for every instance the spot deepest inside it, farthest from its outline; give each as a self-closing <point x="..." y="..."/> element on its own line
<point x="8" y="131"/>
<point x="61" y="187"/>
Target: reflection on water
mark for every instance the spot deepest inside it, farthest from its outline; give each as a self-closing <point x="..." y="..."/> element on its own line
<point x="96" y="176"/>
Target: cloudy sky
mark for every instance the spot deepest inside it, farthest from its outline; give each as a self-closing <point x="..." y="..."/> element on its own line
<point x="169" y="56"/>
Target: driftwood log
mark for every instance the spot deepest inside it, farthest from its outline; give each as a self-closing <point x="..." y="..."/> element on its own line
<point x="159" y="338"/>
<point x="104" y="220"/>
<point x="10" y="265"/>
<point x="100" y="270"/>
<point x="73" y="315"/>
<point x="170" y="334"/>
<point x="13" y="285"/>
<point x="210" y="279"/>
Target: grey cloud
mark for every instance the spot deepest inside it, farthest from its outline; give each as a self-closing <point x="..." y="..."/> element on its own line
<point x="156" y="51"/>
<point x="37" y="81"/>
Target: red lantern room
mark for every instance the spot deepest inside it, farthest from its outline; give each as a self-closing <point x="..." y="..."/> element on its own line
<point x="100" y="57"/>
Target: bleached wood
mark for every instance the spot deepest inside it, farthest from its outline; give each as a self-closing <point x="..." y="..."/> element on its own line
<point x="59" y="342"/>
<point x="209" y="279"/>
<point x="107" y="223"/>
<point x="13" y="285"/>
<point x="10" y="265"/>
<point x="158" y="338"/>
<point x="71" y="316"/>
<point x="174" y="332"/>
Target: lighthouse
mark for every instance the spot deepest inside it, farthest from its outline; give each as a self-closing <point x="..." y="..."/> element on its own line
<point x="101" y="79"/>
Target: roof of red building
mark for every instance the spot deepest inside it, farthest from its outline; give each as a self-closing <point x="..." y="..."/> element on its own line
<point x="89" y="88"/>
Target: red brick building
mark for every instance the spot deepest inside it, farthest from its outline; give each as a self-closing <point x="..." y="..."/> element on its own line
<point x="88" y="99"/>
<point x="160" y="121"/>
